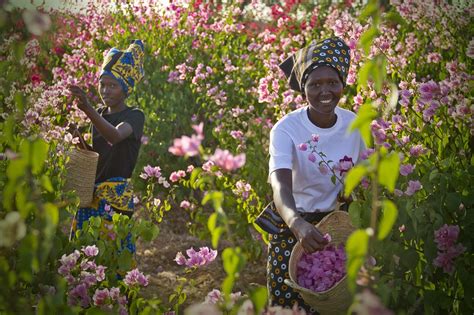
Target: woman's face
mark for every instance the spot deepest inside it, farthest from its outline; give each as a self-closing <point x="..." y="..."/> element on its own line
<point x="323" y="89"/>
<point x="111" y="91"/>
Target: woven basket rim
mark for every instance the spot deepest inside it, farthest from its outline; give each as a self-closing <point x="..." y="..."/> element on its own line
<point x="84" y="151"/>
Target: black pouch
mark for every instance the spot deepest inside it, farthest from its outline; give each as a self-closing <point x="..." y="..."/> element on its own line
<point x="271" y="222"/>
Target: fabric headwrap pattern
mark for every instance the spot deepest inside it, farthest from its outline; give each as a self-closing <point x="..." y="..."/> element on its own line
<point x="125" y="66"/>
<point x="332" y="52"/>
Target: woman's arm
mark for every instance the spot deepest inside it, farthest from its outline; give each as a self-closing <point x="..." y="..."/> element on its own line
<point x="111" y="133"/>
<point x="307" y="234"/>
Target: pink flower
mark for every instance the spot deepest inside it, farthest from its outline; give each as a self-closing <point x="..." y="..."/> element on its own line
<point x="175" y="176"/>
<point x="100" y="297"/>
<point x="107" y="208"/>
<point x="327" y="237"/>
<point x="79" y="295"/>
<point x="237" y="134"/>
<point x="100" y="273"/>
<point x="180" y="259"/>
<point x="312" y="157"/>
<point x="314" y="137"/>
<point x="208" y="166"/>
<point x="303" y="147"/>
<point x="322" y="269"/>
<point x="185" y="146"/>
<point x="445" y="259"/>
<point x="185" y="204"/>
<point x="70" y="261"/>
<point x="398" y="192"/>
<point x="190" y="168"/>
<point x="413" y="187"/>
<point x="90" y="251"/>
<point x="226" y="161"/>
<point x="446" y="236"/>
<point x="428" y="90"/>
<point x="406" y="169"/>
<point x="135" y="277"/>
<point x="323" y="169"/>
<point x="344" y="165"/>
<point x="151" y="172"/>
<point x="417" y="150"/>
<point x="364" y="155"/>
<point x="201" y="258"/>
<point x="213" y="297"/>
<point x="144" y="140"/>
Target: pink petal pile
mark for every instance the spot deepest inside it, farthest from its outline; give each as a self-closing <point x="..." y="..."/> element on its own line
<point x="322" y="269"/>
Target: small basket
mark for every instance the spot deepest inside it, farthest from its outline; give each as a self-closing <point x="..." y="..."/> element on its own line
<point x="80" y="174"/>
<point x="337" y="299"/>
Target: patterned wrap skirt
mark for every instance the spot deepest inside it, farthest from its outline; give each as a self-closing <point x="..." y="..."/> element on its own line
<point x="279" y="251"/>
<point x="111" y="196"/>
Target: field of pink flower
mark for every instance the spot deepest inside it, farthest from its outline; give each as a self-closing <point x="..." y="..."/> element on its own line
<point x="212" y="91"/>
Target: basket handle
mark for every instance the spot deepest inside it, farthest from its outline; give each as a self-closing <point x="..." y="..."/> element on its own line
<point x="300" y="289"/>
<point x="81" y="139"/>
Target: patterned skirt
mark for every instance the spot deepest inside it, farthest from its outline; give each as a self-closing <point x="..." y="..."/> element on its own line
<point x="112" y="196"/>
<point x="279" y="251"/>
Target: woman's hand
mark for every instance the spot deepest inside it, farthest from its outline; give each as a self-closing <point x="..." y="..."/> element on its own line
<point x="83" y="103"/>
<point x="308" y="235"/>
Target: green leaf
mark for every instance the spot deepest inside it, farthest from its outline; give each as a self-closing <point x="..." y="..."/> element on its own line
<point x="364" y="73"/>
<point x="355" y="211"/>
<point x="353" y="178"/>
<point x="16" y="168"/>
<point x="216" y="231"/>
<point x="39" y="154"/>
<point x="233" y="260"/>
<point x="389" y="217"/>
<point x="52" y="214"/>
<point x="228" y="284"/>
<point x="259" y="297"/>
<point x="364" y="118"/>
<point x="369" y="10"/>
<point x="356" y="248"/>
<point x="46" y="183"/>
<point x="217" y="198"/>
<point x="367" y="38"/>
<point x="379" y="72"/>
<point x="388" y="170"/>
<point x="125" y="260"/>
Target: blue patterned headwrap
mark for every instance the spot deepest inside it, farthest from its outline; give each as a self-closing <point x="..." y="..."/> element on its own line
<point x="332" y="52"/>
<point x="125" y="66"/>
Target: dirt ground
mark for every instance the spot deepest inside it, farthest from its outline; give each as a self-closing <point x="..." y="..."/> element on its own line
<point x="156" y="259"/>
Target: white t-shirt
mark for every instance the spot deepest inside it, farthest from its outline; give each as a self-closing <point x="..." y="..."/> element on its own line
<point x="313" y="191"/>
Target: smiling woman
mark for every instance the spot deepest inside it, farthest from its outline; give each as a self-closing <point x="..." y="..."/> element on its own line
<point x="302" y="192"/>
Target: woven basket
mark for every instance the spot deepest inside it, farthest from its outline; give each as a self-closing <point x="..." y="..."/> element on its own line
<point x="80" y="174"/>
<point x="337" y="299"/>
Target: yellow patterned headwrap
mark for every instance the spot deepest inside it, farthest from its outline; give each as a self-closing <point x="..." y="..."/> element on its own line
<point x="125" y="66"/>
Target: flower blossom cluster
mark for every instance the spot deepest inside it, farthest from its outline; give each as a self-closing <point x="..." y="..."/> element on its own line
<point x="343" y="166"/>
<point x="215" y="297"/>
<point x="201" y="258"/>
<point x="242" y="188"/>
<point x="445" y="238"/>
<point x="84" y="278"/>
<point x="188" y="146"/>
<point x="136" y="278"/>
<point x="177" y="175"/>
<point x="150" y="172"/>
<point x="322" y="269"/>
<point x="226" y="161"/>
